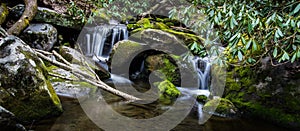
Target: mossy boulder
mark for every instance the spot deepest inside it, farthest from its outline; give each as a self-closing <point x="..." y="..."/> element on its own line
<point x="266" y="92"/>
<point x="122" y="55"/>
<point x="164" y="41"/>
<point x="24" y="86"/>
<point x="220" y="107"/>
<point x="202" y="98"/>
<point x="165" y="66"/>
<point x="167" y="91"/>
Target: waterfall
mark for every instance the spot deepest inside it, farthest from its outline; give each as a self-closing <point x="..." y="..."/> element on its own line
<point x="98" y="41"/>
<point x="203" y="68"/>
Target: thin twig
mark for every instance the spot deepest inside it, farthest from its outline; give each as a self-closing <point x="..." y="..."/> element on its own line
<point x="60" y="76"/>
<point x="61" y="58"/>
<point x="83" y="61"/>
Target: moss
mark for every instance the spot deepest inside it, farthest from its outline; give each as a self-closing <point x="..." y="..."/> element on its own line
<point x="280" y="108"/>
<point x="35" y="106"/>
<point x="220" y="106"/>
<point x="159" y="25"/>
<point x="133" y="26"/>
<point x="169" y="24"/>
<point x="186" y="37"/>
<point x="254" y="110"/>
<point x="163" y="64"/>
<point x="137" y="30"/>
<point x="159" y="20"/>
<point x="201" y="98"/>
<point x="145" y="23"/>
<point x="167" y="91"/>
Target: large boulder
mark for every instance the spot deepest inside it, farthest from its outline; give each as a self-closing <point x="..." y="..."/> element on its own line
<point x="24" y="88"/>
<point x="40" y="36"/>
<point x="267" y="92"/>
<point x="8" y="121"/>
<point x="67" y="85"/>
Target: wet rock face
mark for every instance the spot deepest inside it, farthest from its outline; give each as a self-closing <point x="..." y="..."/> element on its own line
<point x="76" y="58"/>
<point x="268" y="92"/>
<point x="40" y="36"/>
<point x="8" y="121"/>
<point x="24" y="89"/>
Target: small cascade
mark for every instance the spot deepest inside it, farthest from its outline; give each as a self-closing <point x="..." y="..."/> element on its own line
<point x="99" y="41"/>
<point x="203" y="67"/>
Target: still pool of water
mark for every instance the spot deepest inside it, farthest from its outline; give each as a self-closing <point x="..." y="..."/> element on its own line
<point x="75" y="119"/>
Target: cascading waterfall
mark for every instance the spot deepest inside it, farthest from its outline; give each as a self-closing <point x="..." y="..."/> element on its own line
<point x="203" y="68"/>
<point x="98" y="41"/>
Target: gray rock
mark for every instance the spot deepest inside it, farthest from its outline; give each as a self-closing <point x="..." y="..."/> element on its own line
<point x="40" y="36"/>
<point x="24" y="89"/>
<point x="75" y="57"/>
<point x="67" y="85"/>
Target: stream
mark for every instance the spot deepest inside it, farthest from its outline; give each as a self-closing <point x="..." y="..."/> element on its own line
<point x="75" y="119"/>
<point x="77" y="115"/>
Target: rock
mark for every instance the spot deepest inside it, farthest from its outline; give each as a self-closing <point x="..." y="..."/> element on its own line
<point x="201" y="98"/>
<point x="24" y="89"/>
<point x="220" y="107"/>
<point x="122" y="55"/>
<point x="8" y="121"/>
<point x="52" y="17"/>
<point x="165" y="65"/>
<point x="75" y="57"/>
<point x="167" y="91"/>
<point x="267" y="92"/>
<point x="40" y="36"/>
<point x="68" y="85"/>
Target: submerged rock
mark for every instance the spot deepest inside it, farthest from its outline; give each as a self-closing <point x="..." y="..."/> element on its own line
<point x="24" y="88"/>
<point x="40" y="36"/>
<point x="220" y="107"/>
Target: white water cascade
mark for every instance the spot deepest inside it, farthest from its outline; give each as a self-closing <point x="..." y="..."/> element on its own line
<point x="99" y="41"/>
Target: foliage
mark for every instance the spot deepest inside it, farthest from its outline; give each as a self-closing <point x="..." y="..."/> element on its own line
<point x="76" y="12"/>
<point x="253" y="29"/>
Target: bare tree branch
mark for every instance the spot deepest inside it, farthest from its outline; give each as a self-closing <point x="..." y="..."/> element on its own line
<point x="85" y="77"/>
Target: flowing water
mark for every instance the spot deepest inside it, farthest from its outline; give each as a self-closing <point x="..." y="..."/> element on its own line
<point x="100" y="42"/>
